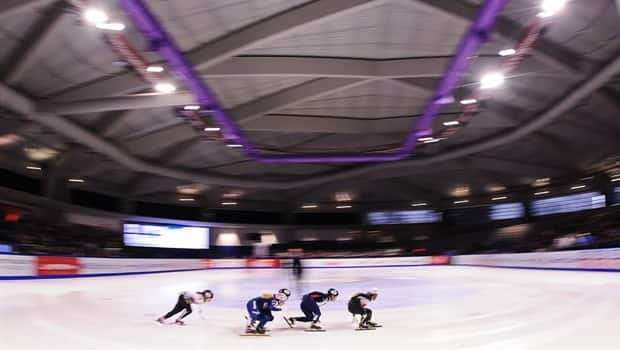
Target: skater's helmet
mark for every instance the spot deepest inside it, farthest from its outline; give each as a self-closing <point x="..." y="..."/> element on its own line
<point x="207" y="294"/>
<point x="285" y="291"/>
<point x="281" y="297"/>
<point x="332" y="293"/>
<point x="374" y="293"/>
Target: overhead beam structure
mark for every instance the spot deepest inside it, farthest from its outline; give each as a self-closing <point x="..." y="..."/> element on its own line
<point x="11" y="8"/>
<point x="243" y="39"/>
<point x="549" y="53"/>
<point x="35" y="42"/>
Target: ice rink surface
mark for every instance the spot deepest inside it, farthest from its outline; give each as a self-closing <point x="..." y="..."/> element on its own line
<point x="433" y="307"/>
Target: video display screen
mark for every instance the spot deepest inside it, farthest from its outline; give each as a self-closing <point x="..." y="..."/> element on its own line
<point x="506" y="211"/>
<point x="165" y="236"/>
<point x="403" y="217"/>
<point x="568" y="204"/>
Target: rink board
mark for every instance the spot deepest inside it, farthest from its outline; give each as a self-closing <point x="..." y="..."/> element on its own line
<point x="30" y="267"/>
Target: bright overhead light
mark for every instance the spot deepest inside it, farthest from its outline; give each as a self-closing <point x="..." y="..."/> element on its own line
<point x="424" y="139"/>
<point x="468" y="101"/>
<point x="115" y="26"/>
<point x="543" y="179"/>
<point x="212" y="129"/>
<point x="165" y="88"/>
<point x="615" y="179"/>
<point x="461" y="201"/>
<point x="551" y="7"/>
<point x="229" y="203"/>
<point x="31" y="167"/>
<point x="433" y="140"/>
<point x="343" y="207"/>
<point x="576" y="187"/>
<point x="186" y="199"/>
<point x="491" y="80"/>
<point x="541" y="193"/>
<point x="154" y="69"/>
<point x="76" y="180"/>
<point x="451" y="123"/>
<point x="234" y="145"/>
<point x="499" y="198"/>
<point x="507" y="52"/>
<point x="418" y="204"/>
<point x="309" y="206"/>
<point x="191" y="107"/>
<point x="95" y="16"/>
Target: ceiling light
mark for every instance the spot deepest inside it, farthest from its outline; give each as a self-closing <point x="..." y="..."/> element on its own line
<point x="212" y="129"/>
<point x="343" y="207"/>
<point x="165" y="88"/>
<point x="576" y="187"/>
<point x="551" y="7"/>
<point x="507" y="52"/>
<point x="491" y="80"/>
<point x="233" y="194"/>
<point x="31" y="167"/>
<point x="154" y="69"/>
<point x="424" y="139"/>
<point x="446" y="100"/>
<point x="115" y="26"/>
<point x="495" y="188"/>
<point x="499" y="198"/>
<point x="615" y="175"/>
<point x="76" y="180"/>
<point x="422" y="204"/>
<point x="541" y="193"/>
<point x="95" y="16"/>
<point x="229" y="203"/>
<point x="186" y="199"/>
<point x="9" y="139"/>
<point x="451" y="123"/>
<point x="39" y="154"/>
<point x="342" y="197"/>
<point x="468" y="101"/>
<point x="234" y="145"/>
<point x="432" y="140"/>
<point x="615" y="179"/>
<point x="460" y="191"/>
<point x="461" y="201"/>
<point x="309" y="206"/>
<point x="191" y="107"/>
<point x="191" y="189"/>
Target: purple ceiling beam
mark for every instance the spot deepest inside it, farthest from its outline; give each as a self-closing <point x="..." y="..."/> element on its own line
<point x="160" y="41"/>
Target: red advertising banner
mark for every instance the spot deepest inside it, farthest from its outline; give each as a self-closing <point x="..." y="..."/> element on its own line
<point x="440" y="260"/>
<point x="262" y="263"/>
<point x="57" y="265"/>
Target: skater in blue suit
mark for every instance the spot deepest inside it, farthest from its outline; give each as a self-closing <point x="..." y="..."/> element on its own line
<point x="310" y="307"/>
<point x="260" y="308"/>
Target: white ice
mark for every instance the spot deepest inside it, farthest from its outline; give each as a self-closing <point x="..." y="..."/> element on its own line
<point x="434" y="307"/>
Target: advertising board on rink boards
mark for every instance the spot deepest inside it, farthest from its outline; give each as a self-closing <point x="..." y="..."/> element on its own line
<point x="359" y="262"/>
<point x="574" y="259"/>
<point x="17" y="265"/>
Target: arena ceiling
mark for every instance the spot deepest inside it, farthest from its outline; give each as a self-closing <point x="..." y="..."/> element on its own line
<point x="305" y="77"/>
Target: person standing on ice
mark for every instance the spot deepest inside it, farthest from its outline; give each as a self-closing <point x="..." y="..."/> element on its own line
<point x="260" y="308"/>
<point x="310" y="307"/>
<point x="358" y="305"/>
<point x="184" y="303"/>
